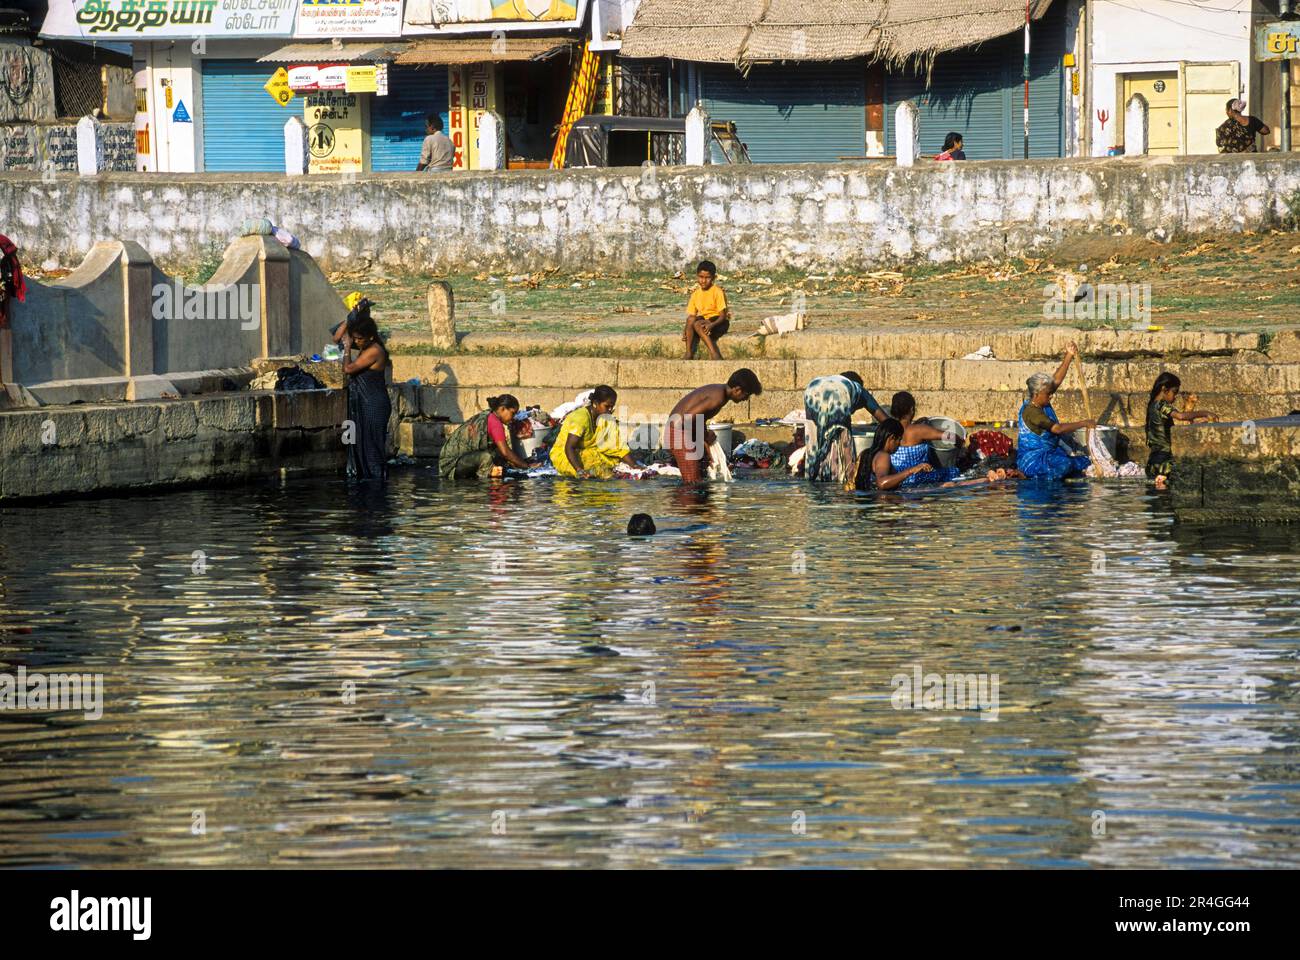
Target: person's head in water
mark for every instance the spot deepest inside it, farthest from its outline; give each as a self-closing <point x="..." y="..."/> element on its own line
<point x="742" y="385"/>
<point x="641" y="525"/>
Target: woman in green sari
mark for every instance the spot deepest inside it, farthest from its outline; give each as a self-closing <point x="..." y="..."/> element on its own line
<point x="481" y="444"/>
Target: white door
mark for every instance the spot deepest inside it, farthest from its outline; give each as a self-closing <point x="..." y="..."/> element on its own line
<point x="1205" y="88"/>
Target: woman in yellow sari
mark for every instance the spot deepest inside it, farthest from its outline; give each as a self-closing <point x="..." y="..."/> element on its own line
<point x="585" y="448"/>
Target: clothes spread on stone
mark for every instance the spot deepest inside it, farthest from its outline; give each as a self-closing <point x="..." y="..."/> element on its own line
<point x="756" y="453"/>
<point x="990" y="443"/>
<point x="904" y="458"/>
<point x="11" y="276"/>
<point x="293" y="378"/>
<point x="369" y="408"/>
<point x="650" y="470"/>
<point x="1045" y="455"/>
<point x="1103" y="465"/>
<point x="257" y="227"/>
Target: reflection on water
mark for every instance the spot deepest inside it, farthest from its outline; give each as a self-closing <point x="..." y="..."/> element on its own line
<point x="498" y="675"/>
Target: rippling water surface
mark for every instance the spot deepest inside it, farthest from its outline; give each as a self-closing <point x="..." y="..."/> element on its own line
<point x="497" y="675"/>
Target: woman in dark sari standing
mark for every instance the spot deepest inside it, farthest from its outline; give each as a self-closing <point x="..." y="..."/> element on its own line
<point x="368" y="404"/>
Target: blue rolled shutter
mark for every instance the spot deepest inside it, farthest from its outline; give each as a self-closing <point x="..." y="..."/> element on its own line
<point x="397" y="120"/>
<point x="243" y="126"/>
<point x="792" y="113"/>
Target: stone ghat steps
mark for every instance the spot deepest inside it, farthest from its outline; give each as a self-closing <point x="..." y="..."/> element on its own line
<point x="456" y="388"/>
<point x="1037" y="343"/>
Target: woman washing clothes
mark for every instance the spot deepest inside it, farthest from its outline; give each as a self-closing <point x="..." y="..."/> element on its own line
<point x="586" y="448"/>
<point x="876" y="470"/>
<point x="368" y="405"/>
<point x="481" y="445"/>
<point x="914" y="448"/>
<point x="1046" y="449"/>
<point x="829" y="402"/>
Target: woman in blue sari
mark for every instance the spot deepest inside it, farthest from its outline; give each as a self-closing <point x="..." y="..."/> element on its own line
<point x="1045" y="448"/>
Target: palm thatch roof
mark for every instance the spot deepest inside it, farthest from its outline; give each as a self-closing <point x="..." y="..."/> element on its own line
<point x="745" y="32"/>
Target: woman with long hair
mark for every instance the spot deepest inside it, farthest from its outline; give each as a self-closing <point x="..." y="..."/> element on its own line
<point x="368" y="405"/>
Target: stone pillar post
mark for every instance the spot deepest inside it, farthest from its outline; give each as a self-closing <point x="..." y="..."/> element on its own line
<point x="697" y="137"/>
<point x="907" y="126"/>
<point x="90" y="146"/>
<point x="273" y="298"/>
<point x="442" y="315"/>
<point x="137" y="280"/>
<point x="491" y="153"/>
<point x="1136" y="129"/>
<point x="296" y="156"/>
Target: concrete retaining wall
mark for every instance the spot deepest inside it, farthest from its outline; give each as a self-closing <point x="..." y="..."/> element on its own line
<point x="810" y="216"/>
<point x="226" y="438"/>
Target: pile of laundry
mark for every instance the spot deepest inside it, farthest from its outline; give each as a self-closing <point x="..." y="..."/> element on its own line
<point x="756" y="455"/>
<point x="1104" y="465"/>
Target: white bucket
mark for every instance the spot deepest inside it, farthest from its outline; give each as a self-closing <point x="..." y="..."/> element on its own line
<point x="945" y="451"/>
<point x="723" y="431"/>
<point x="863" y="436"/>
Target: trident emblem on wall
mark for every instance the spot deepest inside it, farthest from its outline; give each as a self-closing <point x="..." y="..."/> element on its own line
<point x="1103" y="116"/>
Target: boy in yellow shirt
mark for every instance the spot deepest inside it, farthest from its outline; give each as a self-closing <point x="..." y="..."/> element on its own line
<point x="707" y="315"/>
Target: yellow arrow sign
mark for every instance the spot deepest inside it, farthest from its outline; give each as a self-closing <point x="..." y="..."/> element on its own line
<point x="278" y="87"/>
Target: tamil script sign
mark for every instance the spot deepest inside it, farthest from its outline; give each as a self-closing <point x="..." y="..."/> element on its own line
<point x="168" y="19"/>
<point x="349" y="18"/>
<point x="1278" y="41"/>
<point x="436" y="12"/>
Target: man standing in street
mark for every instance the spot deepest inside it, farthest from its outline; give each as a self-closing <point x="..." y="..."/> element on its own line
<point x="1237" y="133"/>
<point x="438" y="154"/>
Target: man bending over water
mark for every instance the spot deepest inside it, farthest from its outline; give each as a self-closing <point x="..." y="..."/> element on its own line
<point x="686" y="435"/>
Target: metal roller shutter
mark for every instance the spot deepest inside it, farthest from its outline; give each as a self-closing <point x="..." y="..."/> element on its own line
<point x="243" y="127"/>
<point x="792" y="113"/>
<point x="397" y="120"/>
<point x="979" y="93"/>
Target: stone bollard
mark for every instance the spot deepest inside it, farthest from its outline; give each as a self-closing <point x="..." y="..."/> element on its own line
<point x="1136" y="129"/>
<point x="907" y="124"/>
<point x="295" y="147"/>
<point x="442" y="315"/>
<point x="90" y="146"/>
<point x="697" y="137"/>
<point x="491" y="142"/>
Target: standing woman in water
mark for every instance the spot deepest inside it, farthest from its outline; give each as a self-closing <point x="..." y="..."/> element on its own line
<point x="368" y="405"/>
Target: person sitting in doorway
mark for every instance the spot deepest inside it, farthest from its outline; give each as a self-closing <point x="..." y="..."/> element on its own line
<point x="438" y="154"/>
<point x="1237" y="133"/>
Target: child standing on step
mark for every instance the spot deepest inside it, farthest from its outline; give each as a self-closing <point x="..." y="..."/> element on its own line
<point x="1160" y="420"/>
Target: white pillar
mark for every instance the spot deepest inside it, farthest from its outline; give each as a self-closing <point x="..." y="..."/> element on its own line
<point x="907" y="127"/>
<point x="295" y="147"/>
<point x="90" y="146"/>
<point x="1136" y="130"/>
<point x="697" y="137"/>
<point x="491" y="142"/>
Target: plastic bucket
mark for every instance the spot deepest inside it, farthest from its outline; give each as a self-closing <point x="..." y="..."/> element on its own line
<point x="1109" y="438"/>
<point x="723" y="431"/>
<point x="863" y="435"/>
<point x="946" y="450"/>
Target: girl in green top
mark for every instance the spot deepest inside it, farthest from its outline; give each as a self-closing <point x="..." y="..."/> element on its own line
<point x="1160" y="420"/>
